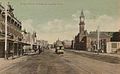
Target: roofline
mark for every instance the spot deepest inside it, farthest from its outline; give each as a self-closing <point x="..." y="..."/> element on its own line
<point x="11" y="15"/>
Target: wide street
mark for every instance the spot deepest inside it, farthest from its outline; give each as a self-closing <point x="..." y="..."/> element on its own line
<point x="69" y="63"/>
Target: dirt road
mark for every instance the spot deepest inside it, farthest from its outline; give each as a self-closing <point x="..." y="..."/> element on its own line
<point x="69" y="63"/>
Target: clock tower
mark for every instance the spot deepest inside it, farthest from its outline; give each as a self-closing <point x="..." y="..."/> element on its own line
<point x="81" y="26"/>
<point x="80" y="39"/>
<point x="82" y="23"/>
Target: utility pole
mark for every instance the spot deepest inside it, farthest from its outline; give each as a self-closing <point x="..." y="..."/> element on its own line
<point x="98" y="38"/>
<point x="6" y="57"/>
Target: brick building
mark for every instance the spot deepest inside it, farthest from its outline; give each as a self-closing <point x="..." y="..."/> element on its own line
<point x="88" y="41"/>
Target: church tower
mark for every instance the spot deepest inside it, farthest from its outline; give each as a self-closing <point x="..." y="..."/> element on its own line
<point x="80" y="39"/>
<point x="81" y="26"/>
<point x="82" y="23"/>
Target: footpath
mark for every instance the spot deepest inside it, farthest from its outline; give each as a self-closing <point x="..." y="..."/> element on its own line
<point x="87" y="52"/>
<point x="5" y="64"/>
<point x="105" y="57"/>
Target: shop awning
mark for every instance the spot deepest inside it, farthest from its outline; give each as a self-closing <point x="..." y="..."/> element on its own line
<point x="13" y="41"/>
<point x="3" y="40"/>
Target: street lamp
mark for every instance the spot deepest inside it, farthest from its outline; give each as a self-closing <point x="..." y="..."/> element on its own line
<point x="6" y="57"/>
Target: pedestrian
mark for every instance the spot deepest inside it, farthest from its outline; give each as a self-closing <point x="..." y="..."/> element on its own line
<point x="11" y="54"/>
<point x="39" y="48"/>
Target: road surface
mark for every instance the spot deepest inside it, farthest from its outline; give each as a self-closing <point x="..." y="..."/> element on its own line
<point x="69" y="63"/>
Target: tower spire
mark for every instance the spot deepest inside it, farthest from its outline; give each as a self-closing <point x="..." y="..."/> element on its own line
<point x="82" y="23"/>
<point x="82" y="13"/>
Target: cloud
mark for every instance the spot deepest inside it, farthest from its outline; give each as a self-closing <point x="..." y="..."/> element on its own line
<point x="58" y="25"/>
<point x="54" y="26"/>
<point x="57" y="28"/>
<point x="52" y="30"/>
<point x="62" y="29"/>
<point x="106" y="23"/>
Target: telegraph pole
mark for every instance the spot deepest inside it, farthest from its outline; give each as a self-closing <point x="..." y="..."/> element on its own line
<point x="98" y="38"/>
<point x="6" y="57"/>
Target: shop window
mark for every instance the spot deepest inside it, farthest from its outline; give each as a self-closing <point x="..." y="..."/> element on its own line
<point x="114" y="45"/>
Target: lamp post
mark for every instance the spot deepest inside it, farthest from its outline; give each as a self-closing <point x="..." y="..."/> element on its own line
<point x="6" y="57"/>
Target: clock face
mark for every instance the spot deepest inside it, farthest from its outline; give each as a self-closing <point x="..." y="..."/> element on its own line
<point x="82" y="19"/>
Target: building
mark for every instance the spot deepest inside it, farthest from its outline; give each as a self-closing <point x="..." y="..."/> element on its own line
<point x="114" y="45"/>
<point x="73" y="42"/>
<point x="80" y="38"/>
<point x="26" y="37"/>
<point x="67" y="44"/>
<point x="34" y="41"/>
<point x="88" y="41"/>
<point x="30" y="39"/>
<point x="14" y="41"/>
<point x="27" y="41"/>
<point x="115" y="37"/>
<point x="42" y="43"/>
<point x="91" y="41"/>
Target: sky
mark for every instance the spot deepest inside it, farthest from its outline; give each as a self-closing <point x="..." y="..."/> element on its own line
<point x="53" y="19"/>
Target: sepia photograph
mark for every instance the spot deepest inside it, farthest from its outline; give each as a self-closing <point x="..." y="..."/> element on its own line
<point x="59" y="37"/>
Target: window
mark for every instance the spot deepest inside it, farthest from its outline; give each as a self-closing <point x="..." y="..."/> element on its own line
<point x="114" y="45"/>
